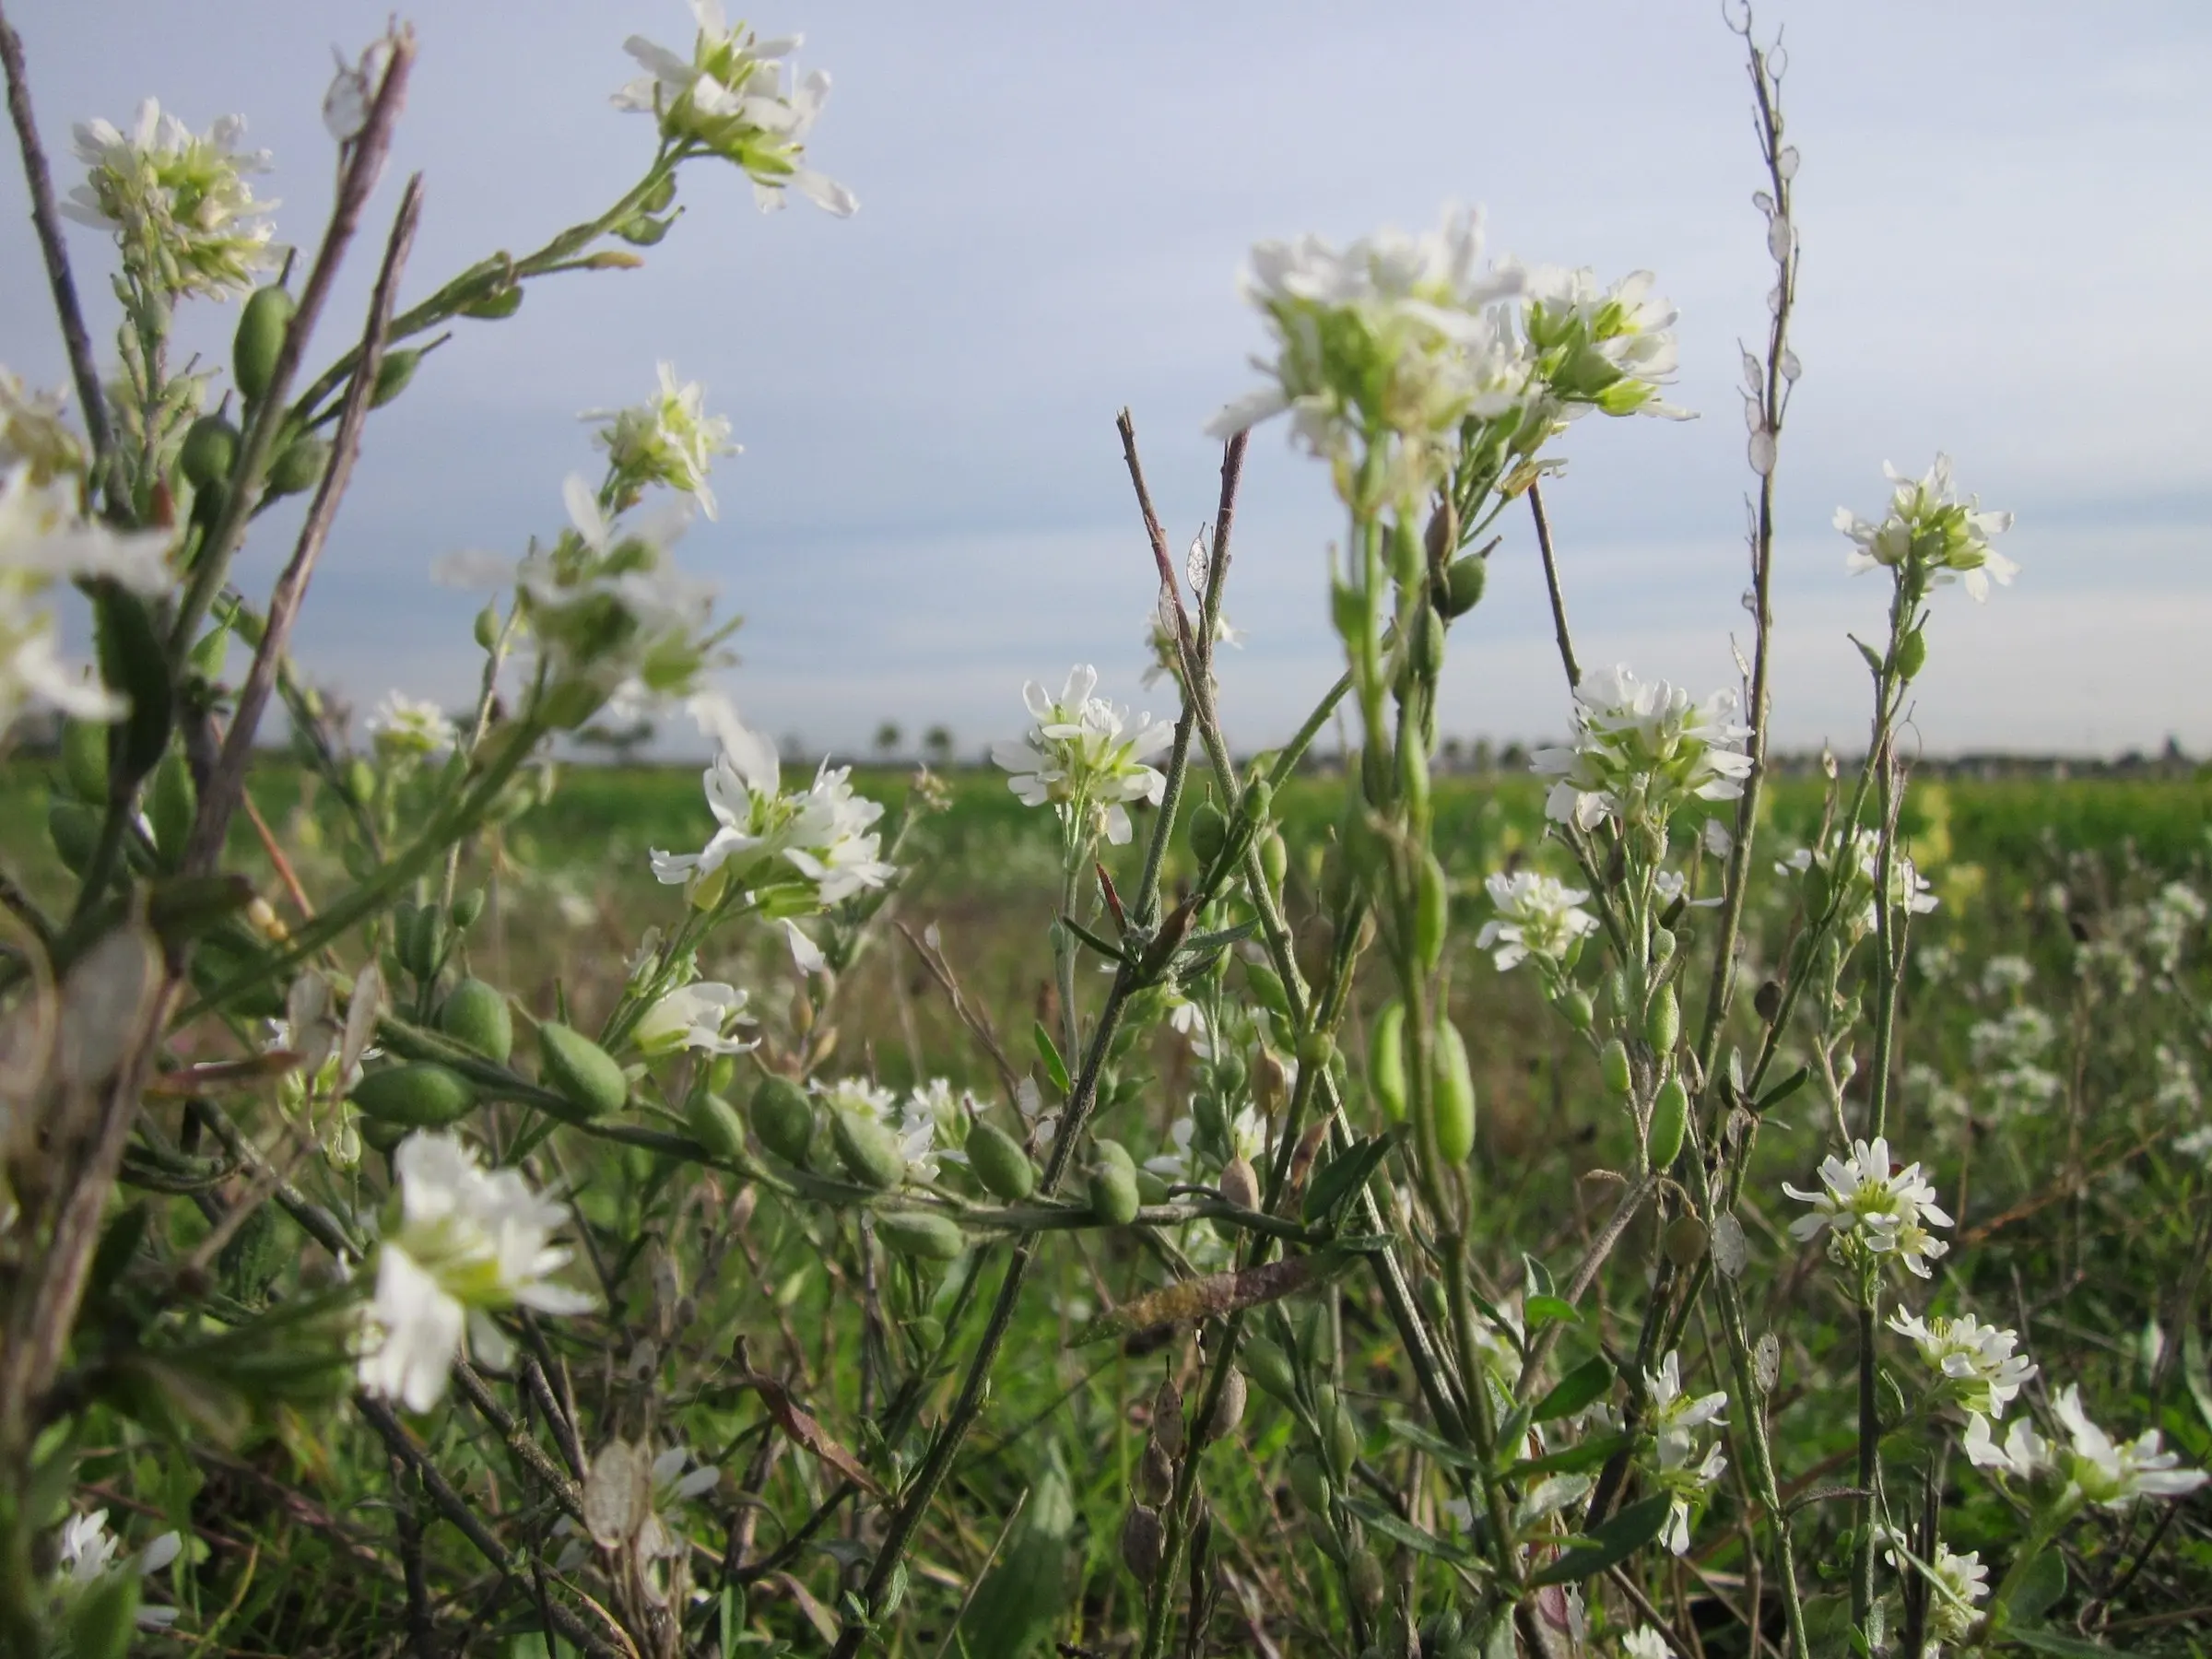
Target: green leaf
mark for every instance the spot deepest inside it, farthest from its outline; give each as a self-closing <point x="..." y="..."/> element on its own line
<point x="1344" y="1176"/>
<point x="1112" y="952"/>
<point x="1781" y="1090"/>
<point x="2042" y="1583"/>
<point x="1539" y="1276"/>
<point x="1049" y="1051"/>
<point x="134" y="661"/>
<point x="1540" y="1310"/>
<point x="1022" y="1594"/>
<point x="1379" y="1518"/>
<point x="1433" y="1444"/>
<point x="2194" y="1372"/>
<point x="2046" y="1640"/>
<point x="1585" y="1382"/>
<point x="1572" y="1459"/>
<point x="1615" y="1541"/>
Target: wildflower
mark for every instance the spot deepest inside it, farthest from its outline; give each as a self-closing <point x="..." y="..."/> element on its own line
<point x="471" y="1242"/>
<point x="2175" y="914"/>
<point x="406" y="729"/>
<point x="89" y="1554"/>
<point x="177" y="201"/>
<point x="2007" y="1054"/>
<point x="1980" y="1364"/>
<point x="1383" y="349"/>
<point x="1957" y="1584"/>
<point x="2113" y="1473"/>
<point x="2177" y="1094"/>
<point x="1164" y="650"/>
<point x="668" y="440"/>
<point x="1537" y="916"/>
<point x="916" y="1128"/>
<point x="1247" y="1138"/>
<point x="1077" y="758"/>
<point x="32" y="433"/>
<point x="807" y="851"/>
<point x="693" y="1016"/>
<point x="1930" y="536"/>
<point x="1640" y="749"/>
<point x="45" y="541"/>
<point x="1872" y="1211"/>
<point x="1859" y="858"/>
<point x="2196" y="1144"/>
<point x="729" y="99"/>
<point x="2006" y="975"/>
<point x="1602" y="349"/>
<point x="1681" y="1468"/>
<point x="1644" y="1643"/>
<point x="2023" y="1453"/>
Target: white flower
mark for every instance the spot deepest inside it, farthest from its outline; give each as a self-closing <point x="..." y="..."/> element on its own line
<point x="1603" y="349"/>
<point x="1536" y="917"/>
<point x="471" y="1242"/>
<point x="1644" y="1643"/>
<point x="2177" y="913"/>
<point x="32" y="432"/>
<point x="1980" y="1364"/>
<point x="178" y="202"/>
<point x="45" y="541"/>
<point x="1682" y="1467"/>
<point x="1640" y="749"/>
<point x="2196" y="1144"/>
<point x="1383" y="346"/>
<point x="2023" y="1455"/>
<point x="1859" y="856"/>
<point x="669" y="439"/>
<point x="1958" y="1584"/>
<point x="89" y="1554"/>
<point x="814" y="849"/>
<point x="406" y="728"/>
<point x="729" y="99"/>
<point x="1870" y="1211"/>
<point x="1162" y="645"/>
<point x="2113" y="1473"/>
<point x="693" y="1016"/>
<point x="1247" y="1139"/>
<point x="1077" y="758"/>
<point x="1930" y="533"/>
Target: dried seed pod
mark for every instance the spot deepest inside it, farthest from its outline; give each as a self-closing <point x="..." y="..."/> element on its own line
<point x="1167" y="1417"/>
<point x="1241" y="1183"/>
<point x="1155" y="1474"/>
<point x="1228" y="1410"/>
<point x="1141" y="1540"/>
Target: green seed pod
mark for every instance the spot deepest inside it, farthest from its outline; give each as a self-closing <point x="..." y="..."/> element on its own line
<point x="1685" y="1242"/>
<point x="476" y="1016"/>
<point x="1257" y="801"/>
<point x="1000" y="1163"/>
<point x="1268" y="985"/>
<point x="1310" y="1482"/>
<point x="1911" y="654"/>
<point x="1670" y="1115"/>
<point x="1363" y="1577"/>
<point x="172" y="801"/>
<point x="1429" y="1293"/>
<point x="1428" y="642"/>
<point x="1575" y="1006"/>
<point x="868" y="1150"/>
<point x="1112" y="1151"/>
<point x="783" y="1119"/>
<point x="924" y="1234"/>
<point x="1432" y="912"/>
<point x="1452" y="1087"/>
<point x="1663" y="1021"/>
<point x="1209" y="831"/>
<point x="1463" y="585"/>
<point x="392" y="375"/>
<point x="1275" y="860"/>
<point x="499" y="304"/>
<point x="419" y="1095"/>
<point x="208" y="453"/>
<point x="74" y="828"/>
<point x="260" y="339"/>
<point x="1816" y="889"/>
<point x="1613" y="1065"/>
<point x="1269" y="1366"/>
<point x="1662" y="943"/>
<point x="84" y="759"/>
<point x="300" y="466"/>
<point x="714" y="1124"/>
<point x="1386" y="1061"/>
<point x="467" y="908"/>
<point x="575" y="1067"/>
<point x="1113" y="1194"/>
<point x="1151" y="1189"/>
<point x="1341" y="1432"/>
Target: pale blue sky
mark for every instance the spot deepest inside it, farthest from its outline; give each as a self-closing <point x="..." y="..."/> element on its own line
<point x="2005" y="245"/>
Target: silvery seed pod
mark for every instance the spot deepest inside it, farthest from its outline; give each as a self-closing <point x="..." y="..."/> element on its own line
<point x="1141" y="1542"/>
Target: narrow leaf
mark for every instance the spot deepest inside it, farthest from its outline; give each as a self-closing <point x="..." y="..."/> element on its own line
<point x="1049" y="1051"/>
<point x="1585" y="1382"/>
<point x="1615" y="1541"/>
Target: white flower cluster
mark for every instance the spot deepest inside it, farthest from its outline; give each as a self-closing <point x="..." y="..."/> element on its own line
<point x="931" y="1121"/>
<point x="669" y="439"/>
<point x="471" y="1242"/>
<point x="46" y="541"/>
<point x="407" y="728"/>
<point x="2007" y="1055"/>
<point x="1683" y="1466"/>
<point x="1538" y="917"/>
<point x="1929" y="535"/>
<point x="729" y="99"/>
<point x="1598" y="347"/>
<point x="1873" y="1213"/>
<point x="790" y="855"/>
<point x="1960" y="1583"/>
<point x="1979" y="1367"/>
<point x="693" y="1016"/>
<point x="1083" y="758"/>
<point x="2111" y="1473"/>
<point x="90" y="1552"/>
<point x="177" y="201"/>
<point x="1860" y="856"/>
<point x="1641" y="748"/>
<point x="2172" y="919"/>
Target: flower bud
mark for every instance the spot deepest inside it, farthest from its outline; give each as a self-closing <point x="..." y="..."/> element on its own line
<point x="1241" y="1183"/>
<point x="208" y="453"/>
<point x="419" y="1095"/>
<point x="1613" y="1065"/>
<point x="923" y="1234"/>
<point x="1452" y="1094"/>
<point x="868" y="1150"/>
<point x="1663" y="1021"/>
<point x="260" y="339"/>
<point x="1386" y="1061"/>
<point x="783" y="1119"/>
<point x="476" y="1016"/>
<point x="1141" y="1542"/>
<point x="579" y="1070"/>
<point x="1000" y="1163"/>
<point x="1670" y="1115"/>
